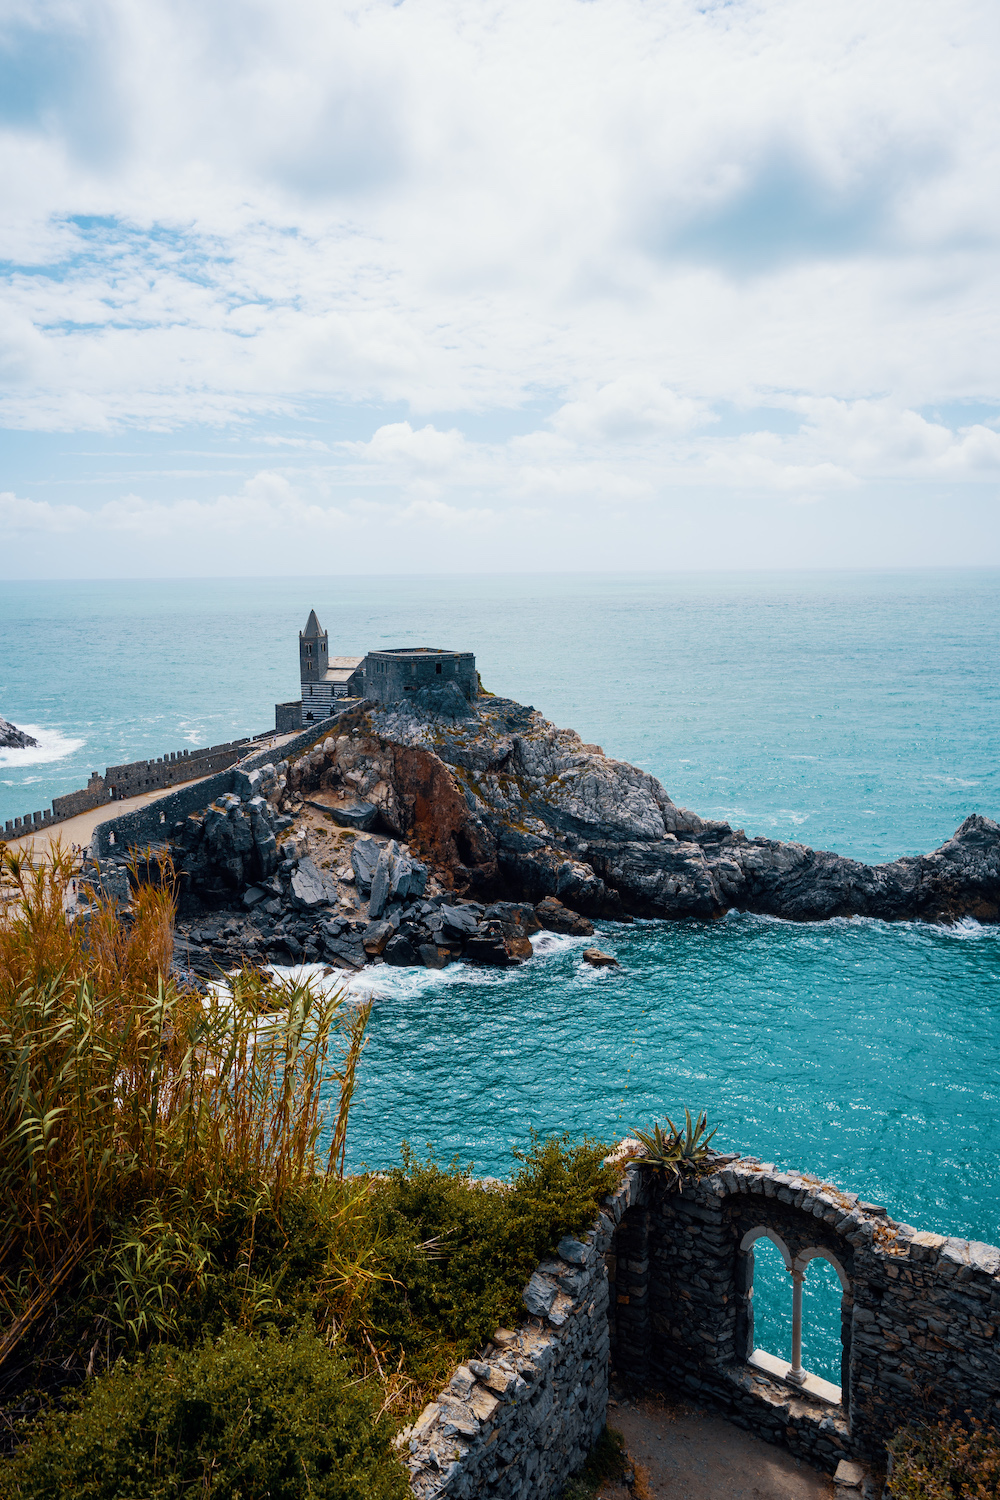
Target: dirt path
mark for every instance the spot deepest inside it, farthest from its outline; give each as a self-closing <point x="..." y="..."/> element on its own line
<point x="684" y="1454"/>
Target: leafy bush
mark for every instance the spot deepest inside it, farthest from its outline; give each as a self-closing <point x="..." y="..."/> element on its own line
<point x="235" y="1419"/>
<point x="945" y="1461"/>
<point x="454" y="1255"/>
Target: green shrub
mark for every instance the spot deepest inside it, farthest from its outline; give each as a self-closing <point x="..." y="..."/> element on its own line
<point x="945" y="1461"/>
<point x="455" y="1256"/>
<point x="235" y="1419"/>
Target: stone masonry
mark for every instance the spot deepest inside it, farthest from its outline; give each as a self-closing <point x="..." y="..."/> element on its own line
<point x="660" y="1292"/>
<point x="520" y="1419"/>
<point x="918" y="1317"/>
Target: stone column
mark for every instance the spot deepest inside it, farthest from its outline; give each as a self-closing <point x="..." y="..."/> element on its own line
<point x="796" y="1374"/>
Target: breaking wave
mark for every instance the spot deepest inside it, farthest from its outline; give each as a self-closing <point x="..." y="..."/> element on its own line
<point x="52" y="745"/>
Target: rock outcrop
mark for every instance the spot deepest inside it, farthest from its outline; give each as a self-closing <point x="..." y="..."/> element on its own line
<point x="488" y="825"/>
<point x="12" y="738"/>
<point x="502" y="805"/>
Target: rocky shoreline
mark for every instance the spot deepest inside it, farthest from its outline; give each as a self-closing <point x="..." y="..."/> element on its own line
<point x="441" y="829"/>
<point x="12" y="738"/>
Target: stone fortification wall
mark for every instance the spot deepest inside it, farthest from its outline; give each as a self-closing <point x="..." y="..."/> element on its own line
<point x="150" y="825"/>
<point x="288" y="716"/>
<point x="392" y="676"/>
<point x="518" y="1421"/>
<point x="661" y="1289"/>
<point x="132" y="778"/>
<point x="918" y="1317"/>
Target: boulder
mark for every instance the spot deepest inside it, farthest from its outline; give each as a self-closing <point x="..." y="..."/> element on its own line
<point x="345" y="948"/>
<point x="375" y="937"/>
<point x="382" y="879"/>
<point x="433" y="956"/>
<point x="517" y="918"/>
<point x="401" y="952"/>
<point x="489" y="946"/>
<point x="359" y="815"/>
<point x="458" y="921"/>
<point x="558" y="918"/>
<point x="310" y="888"/>
<point x="364" y="858"/>
<point x="599" y="960"/>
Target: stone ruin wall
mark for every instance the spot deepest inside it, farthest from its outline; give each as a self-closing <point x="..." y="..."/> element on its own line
<point x="658" y="1292"/>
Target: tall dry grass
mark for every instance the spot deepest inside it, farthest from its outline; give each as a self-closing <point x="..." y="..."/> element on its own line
<point x="135" y="1112"/>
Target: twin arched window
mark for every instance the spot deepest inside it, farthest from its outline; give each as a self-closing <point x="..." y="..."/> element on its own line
<point x="791" y="1370"/>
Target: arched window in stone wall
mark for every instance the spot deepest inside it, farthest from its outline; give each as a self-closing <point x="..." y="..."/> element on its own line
<point x="791" y="1369"/>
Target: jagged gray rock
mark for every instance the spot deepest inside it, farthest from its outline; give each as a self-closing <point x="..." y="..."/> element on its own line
<point x="502" y="804"/>
<point x="12" y="738"/>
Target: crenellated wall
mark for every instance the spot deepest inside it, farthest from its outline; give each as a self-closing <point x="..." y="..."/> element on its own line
<point x="151" y="824"/>
<point x="133" y="777"/>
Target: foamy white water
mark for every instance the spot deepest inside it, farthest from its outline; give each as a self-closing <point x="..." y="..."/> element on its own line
<point x="52" y="745"/>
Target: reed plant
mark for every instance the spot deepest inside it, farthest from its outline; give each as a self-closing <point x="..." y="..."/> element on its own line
<point x="173" y="1190"/>
<point x="141" y="1121"/>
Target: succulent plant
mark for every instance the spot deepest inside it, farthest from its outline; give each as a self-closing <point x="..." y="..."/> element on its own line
<point x="673" y="1153"/>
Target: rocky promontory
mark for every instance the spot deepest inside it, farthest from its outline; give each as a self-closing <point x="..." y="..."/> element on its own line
<point x="440" y="829"/>
<point x="503" y="805"/>
<point x="12" y="738"/>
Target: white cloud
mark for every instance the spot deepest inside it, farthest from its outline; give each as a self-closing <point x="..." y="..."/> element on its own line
<point x="630" y="407"/>
<point x="398" y="447"/>
<point x="656" y="223"/>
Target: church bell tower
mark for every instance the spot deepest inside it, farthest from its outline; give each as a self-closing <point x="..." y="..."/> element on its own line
<point x="314" y="656"/>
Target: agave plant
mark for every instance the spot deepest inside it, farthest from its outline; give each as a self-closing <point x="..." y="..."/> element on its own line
<point x="674" y="1153"/>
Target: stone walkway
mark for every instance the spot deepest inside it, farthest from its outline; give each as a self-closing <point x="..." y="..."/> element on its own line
<point x="684" y="1454"/>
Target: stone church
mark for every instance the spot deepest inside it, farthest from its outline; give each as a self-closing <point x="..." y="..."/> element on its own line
<point x="332" y="683"/>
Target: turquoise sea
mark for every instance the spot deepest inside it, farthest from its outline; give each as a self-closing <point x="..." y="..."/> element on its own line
<point x="851" y="711"/>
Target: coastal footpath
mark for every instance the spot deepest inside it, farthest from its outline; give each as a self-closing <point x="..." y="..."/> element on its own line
<point x="438" y="829"/>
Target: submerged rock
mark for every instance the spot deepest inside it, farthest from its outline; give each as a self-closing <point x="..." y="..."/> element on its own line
<point x="12" y="738"/>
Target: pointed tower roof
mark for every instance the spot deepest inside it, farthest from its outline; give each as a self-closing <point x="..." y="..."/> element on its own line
<point x="313" y="628"/>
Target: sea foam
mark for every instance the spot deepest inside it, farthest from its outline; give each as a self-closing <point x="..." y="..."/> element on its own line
<point x="52" y="745"/>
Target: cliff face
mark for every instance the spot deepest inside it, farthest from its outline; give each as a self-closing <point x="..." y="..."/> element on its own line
<point x="504" y="806"/>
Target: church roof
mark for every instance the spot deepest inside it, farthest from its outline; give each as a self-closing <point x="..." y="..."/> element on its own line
<point x="313" y="628"/>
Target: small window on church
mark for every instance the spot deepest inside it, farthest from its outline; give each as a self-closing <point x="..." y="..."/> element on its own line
<point x="438" y="669"/>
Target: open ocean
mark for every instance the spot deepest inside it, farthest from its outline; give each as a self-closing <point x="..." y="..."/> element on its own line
<point x="850" y="711"/>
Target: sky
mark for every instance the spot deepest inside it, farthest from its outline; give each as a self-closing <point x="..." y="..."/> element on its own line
<point x="308" y="287"/>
